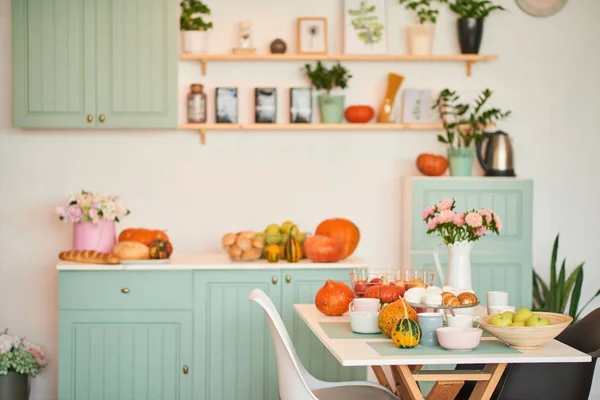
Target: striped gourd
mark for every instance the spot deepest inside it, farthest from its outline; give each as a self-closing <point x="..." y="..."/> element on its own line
<point x="292" y="250"/>
<point x="273" y="253"/>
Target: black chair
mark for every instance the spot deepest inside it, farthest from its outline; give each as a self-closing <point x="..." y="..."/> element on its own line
<point x="550" y="381"/>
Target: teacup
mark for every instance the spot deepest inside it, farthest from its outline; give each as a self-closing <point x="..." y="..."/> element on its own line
<point x="364" y="322"/>
<point x="461" y="320"/>
<point x="429" y="322"/>
<point x="365" y="304"/>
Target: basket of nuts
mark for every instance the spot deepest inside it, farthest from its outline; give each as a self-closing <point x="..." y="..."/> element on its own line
<point x="243" y="246"/>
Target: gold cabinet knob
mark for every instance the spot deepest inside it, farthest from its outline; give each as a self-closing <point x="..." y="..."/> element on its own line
<point x="90" y="118"/>
<point x="101" y="118"/>
<point x="288" y="279"/>
<point x="186" y="369"/>
<point x="125" y="290"/>
<point x="274" y="280"/>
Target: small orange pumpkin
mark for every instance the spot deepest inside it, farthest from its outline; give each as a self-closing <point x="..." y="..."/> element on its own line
<point x="431" y="164"/>
<point x="334" y="298"/>
<point x="359" y="114"/>
<point x="394" y="312"/>
<point x="342" y="230"/>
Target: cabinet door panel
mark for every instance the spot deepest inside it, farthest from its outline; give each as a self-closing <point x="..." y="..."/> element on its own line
<point x="53" y="79"/>
<point x="302" y="289"/>
<point x="137" y="63"/>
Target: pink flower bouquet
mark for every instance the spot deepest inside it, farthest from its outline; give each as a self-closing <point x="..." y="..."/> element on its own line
<point x="455" y="227"/>
<point x="19" y="355"/>
<point x="92" y="207"/>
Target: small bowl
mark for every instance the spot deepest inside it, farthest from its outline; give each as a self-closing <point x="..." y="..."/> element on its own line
<point x="451" y="338"/>
<point x="364" y="322"/>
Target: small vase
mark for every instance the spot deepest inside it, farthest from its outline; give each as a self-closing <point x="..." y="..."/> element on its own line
<point x="461" y="160"/>
<point x="195" y="41"/>
<point x="420" y="39"/>
<point x="14" y="386"/>
<point x="459" y="264"/>
<point x="331" y="108"/>
<point x="101" y="236"/>
<point x="470" y="32"/>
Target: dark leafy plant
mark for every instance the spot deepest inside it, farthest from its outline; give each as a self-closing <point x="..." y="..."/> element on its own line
<point x="322" y="78"/>
<point x="423" y="8"/>
<point x="464" y="122"/>
<point x="554" y="297"/>
<point x="191" y="19"/>
<point x="474" y="8"/>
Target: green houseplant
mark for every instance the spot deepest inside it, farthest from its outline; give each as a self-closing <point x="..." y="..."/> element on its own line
<point x="420" y="36"/>
<point x="331" y="106"/>
<point x="193" y="27"/>
<point x="562" y="290"/>
<point x="464" y="125"/>
<point x="19" y="359"/>
<point x="470" y="24"/>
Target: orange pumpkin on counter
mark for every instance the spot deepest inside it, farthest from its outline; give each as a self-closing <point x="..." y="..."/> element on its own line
<point x="431" y="164"/>
<point x="359" y="114"/>
<point x="322" y="249"/>
<point x="142" y="235"/>
<point x="334" y="298"/>
<point x="342" y="230"/>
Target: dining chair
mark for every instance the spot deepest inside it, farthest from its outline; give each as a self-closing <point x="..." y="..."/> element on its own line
<point x="551" y="381"/>
<point x="295" y="382"/>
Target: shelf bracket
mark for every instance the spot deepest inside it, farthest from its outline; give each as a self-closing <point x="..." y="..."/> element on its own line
<point x="203" y="66"/>
<point x="469" y="64"/>
<point x="202" y="133"/>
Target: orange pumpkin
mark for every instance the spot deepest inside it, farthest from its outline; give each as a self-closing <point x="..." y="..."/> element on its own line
<point x="142" y="235"/>
<point x="334" y="298"/>
<point x="359" y="114"/>
<point x="385" y="293"/>
<point x="322" y="249"/>
<point x="342" y="230"/>
<point x="392" y="313"/>
<point x="431" y="164"/>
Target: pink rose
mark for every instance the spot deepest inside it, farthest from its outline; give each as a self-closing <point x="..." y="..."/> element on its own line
<point x="74" y="213"/>
<point x="93" y="213"/>
<point x="487" y="214"/>
<point x="446" y="216"/>
<point x="429" y="211"/>
<point x="446" y="204"/>
<point x="497" y="221"/>
<point x="480" y="231"/>
<point x="459" y="219"/>
<point x="474" y="220"/>
<point x="432" y="224"/>
<point x="40" y="359"/>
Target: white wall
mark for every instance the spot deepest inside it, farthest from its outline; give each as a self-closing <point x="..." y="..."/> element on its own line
<point x="548" y="74"/>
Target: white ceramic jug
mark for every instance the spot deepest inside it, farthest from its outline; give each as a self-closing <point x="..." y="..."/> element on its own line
<point x="459" y="264"/>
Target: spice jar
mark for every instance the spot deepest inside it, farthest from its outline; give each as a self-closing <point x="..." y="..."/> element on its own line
<point x="196" y="104"/>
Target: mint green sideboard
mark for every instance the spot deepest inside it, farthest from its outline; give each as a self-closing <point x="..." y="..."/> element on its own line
<point x="95" y="64"/>
<point x="179" y="335"/>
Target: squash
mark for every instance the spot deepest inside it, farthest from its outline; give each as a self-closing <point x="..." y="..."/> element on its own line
<point x="334" y="298"/>
<point x="142" y="235"/>
<point x="359" y="114"/>
<point x="342" y="230"/>
<point x="273" y="253"/>
<point x="160" y="249"/>
<point x="392" y="313"/>
<point x="431" y="164"/>
<point x="385" y="293"/>
<point x="321" y="249"/>
<point x="292" y="250"/>
<point x="407" y="332"/>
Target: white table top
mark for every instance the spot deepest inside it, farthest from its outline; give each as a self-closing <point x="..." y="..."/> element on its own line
<point x="356" y="352"/>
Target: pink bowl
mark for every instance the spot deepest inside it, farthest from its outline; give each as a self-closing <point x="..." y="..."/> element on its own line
<point x="452" y="338"/>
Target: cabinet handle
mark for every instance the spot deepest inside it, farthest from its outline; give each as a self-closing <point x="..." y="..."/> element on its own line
<point x="125" y="290"/>
<point x="274" y="280"/>
<point x="288" y="279"/>
<point x="101" y="118"/>
<point x="185" y="369"/>
<point x="90" y="118"/>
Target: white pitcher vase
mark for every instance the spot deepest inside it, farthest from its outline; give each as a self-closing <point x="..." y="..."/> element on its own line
<point x="459" y="264"/>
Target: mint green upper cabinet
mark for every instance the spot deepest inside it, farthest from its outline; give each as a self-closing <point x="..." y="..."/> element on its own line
<point x="53" y="85"/>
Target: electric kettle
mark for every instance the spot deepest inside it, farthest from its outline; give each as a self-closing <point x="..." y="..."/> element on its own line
<point x="498" y="157"/>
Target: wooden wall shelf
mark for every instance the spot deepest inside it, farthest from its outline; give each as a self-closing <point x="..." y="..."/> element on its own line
<point x="468" y="59"/>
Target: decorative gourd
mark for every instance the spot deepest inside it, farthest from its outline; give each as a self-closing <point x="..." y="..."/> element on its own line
<point x="142" y="235"/>
<point x="334" y="298"/>
<point x="322" y="249"/>
<point x="292" y="250"/>
<point x="359" y="114"/>
<point x="160" y="249"/>
<point x="407" y="332"/>
<point x="392" y="313"/>
<point x="431" y="164"/>
<point x="342" y="230"/>
<point x="273" y="253"/>
<point x="385" y="293"/>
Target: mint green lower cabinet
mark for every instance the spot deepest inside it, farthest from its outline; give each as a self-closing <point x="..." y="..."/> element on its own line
<point x="133" y="355"/>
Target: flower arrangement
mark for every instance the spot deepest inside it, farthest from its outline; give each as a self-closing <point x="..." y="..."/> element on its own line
<point x="455" y="227"/>
<point x="19" y="355"/>
<point x="92" y="207"/>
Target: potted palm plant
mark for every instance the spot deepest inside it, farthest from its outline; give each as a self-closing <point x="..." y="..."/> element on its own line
<point x="331" y="106"/>
<point x="464" y="125"/>
<point x="194" y="29"/>
<point x="19" y="360"/>
<point x="420" y="36"/>
<point x="470" y="24"/>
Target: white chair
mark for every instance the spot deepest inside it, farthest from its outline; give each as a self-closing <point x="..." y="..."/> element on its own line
<point x="295" y="383"/>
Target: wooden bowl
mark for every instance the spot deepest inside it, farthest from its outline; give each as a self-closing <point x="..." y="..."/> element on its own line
<point x="528" y="337"/>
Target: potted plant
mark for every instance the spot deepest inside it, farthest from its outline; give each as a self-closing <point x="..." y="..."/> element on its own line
<point x="19" y="359"/>
<point x="470" y="24"/>
<point x="194" y="28"/>
<point x="420" y="36"/>
<point x="464" y="125"/>
<point x="331" y="106"/>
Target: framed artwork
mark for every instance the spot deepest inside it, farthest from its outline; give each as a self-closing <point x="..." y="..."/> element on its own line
<point x="364" y="27"/>
<point x="265" y="105"/>
<point x="301" y="106"/>
<point x="416" y="106"/>
<point x="227" y="105"/>
<point x="312" y="35"/>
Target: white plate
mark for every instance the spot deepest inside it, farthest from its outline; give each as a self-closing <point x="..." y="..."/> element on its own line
<point x="151" y="262"/>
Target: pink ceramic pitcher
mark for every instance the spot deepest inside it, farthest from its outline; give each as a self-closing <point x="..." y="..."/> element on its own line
<point x="101" y="236"/>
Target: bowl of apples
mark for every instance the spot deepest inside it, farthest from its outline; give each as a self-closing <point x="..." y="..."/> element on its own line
<point x="525" y="329"/>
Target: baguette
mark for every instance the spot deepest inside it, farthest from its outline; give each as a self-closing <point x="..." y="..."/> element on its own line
<point x="89" y="256"/>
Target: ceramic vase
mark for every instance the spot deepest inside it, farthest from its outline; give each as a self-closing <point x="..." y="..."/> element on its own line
<point x="420" y="39"/>
<point x="470" y="32"/>
<point x="101" y="236"/>
<point x="14" y="386"/>
<point x="459" y="264"/>
<point x="331" y="108"/>
<point x="460" y="160"/>
<point x="195" y="41"/>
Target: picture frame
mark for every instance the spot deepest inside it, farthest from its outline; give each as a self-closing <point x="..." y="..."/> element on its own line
<point x="312" y="35"/>
<point x="265" y="105"/>
<point x="365" y="27"/>
<point x="416" y="107"/>
<point x="301" y="105"/>
<point x="226" y="102"/>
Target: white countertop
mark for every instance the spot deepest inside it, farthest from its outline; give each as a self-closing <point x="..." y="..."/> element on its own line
<point x="210" y="261"/>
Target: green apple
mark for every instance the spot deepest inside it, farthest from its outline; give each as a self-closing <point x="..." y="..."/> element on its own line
<point x="294" y="231"/>
<point x="518" y="323"/>
<point x="283" y="238"/>
<point x="272" y="234"/>
<point x="523" y="314"/>
<point x="509" y="314"/>
<point x="537" y="320"/>
<point x="301" y="237"/>
<point x="286" y="226"/>
<point x="500" y="320"/>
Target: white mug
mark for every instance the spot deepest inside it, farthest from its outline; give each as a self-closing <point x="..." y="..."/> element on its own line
<point x="493" y="310"/>
<point x="496" y="298"/>
<point x="461" y="320"/>
<point x="364" y="322"/>
<point x="365" y="304"/>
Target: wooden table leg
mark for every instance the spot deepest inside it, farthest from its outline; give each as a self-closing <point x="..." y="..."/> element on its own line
<point x="484" y="389"/>
<point x="380" y="375"/>
<point x="445" y="390"/>
<point x="407" y="387"/>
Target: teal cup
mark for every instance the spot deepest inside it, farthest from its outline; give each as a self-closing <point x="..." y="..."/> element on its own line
<point x="429" y="322"/>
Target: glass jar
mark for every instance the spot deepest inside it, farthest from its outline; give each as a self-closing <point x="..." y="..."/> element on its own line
<point x="196" y="104"/>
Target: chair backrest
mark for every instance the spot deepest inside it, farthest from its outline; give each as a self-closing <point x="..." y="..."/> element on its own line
<point x="584" y="335"/>
<point x="292" y="383"/>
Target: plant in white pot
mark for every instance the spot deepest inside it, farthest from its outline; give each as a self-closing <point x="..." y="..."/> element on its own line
<point x="470" y="24"/>
<point x="331" y="106"/>
<point x="420" y="36"/>
<point x="19" y="359"/>
<point x="193" y="28"/>
<point x="464" y="125"/>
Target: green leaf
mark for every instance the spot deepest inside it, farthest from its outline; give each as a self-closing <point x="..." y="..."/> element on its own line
<point x="569" y="287"/>
<point x="553" y="268"/>
<point x="576" y="295"/>
<point x="537" y="296"/>
<point x="545" y="293"/>
<point x="560" y="288"/>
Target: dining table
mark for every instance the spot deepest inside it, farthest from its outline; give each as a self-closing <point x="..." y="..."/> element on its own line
<point x="377" y="351"/>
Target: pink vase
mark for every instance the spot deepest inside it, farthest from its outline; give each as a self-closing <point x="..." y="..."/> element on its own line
<point x="101" y="236"/>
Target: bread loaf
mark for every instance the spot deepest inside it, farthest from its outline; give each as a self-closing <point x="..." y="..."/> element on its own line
<point x="89" y="256"/>
<point x="132" y="251"/>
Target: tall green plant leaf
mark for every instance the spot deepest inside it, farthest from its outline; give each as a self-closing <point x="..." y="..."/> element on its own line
<point x="560" y="286"/>
<point x="553" y="303"/>
<point x="545" y="292"/>
<point x="537" y="295"/>
<point x="569" y="287"/>
<point x="576" y="295"/>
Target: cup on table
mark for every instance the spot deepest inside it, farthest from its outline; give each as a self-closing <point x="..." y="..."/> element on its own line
<point x="496" y="299"/>
<point x="364" y="322"/>
<point x="365" y="304"/>
<point x="499" y="309"/>
<point x="461" y="320"/>
<point x="429" y="322"/>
